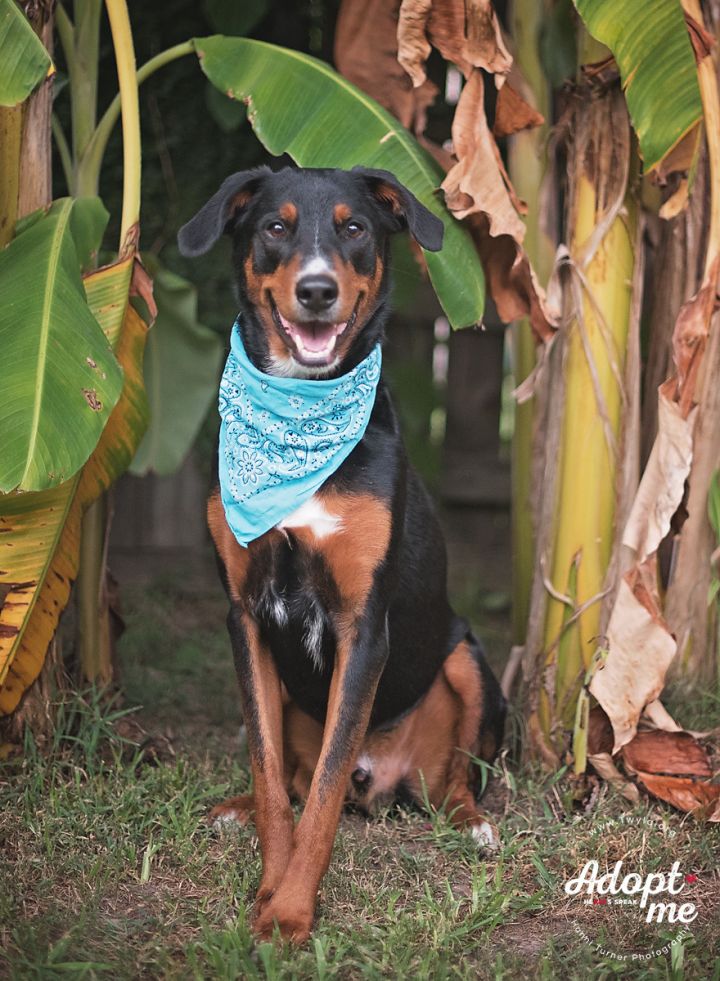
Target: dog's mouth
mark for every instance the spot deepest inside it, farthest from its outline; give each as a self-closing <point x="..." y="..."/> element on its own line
<point x="314" y="341"/>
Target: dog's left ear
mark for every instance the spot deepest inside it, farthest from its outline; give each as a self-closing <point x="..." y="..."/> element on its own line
<point x="217" y="215"/>
<point x="404" y="207"/>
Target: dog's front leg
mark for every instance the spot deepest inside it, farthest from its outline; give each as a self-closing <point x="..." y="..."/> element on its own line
<point x="262" y="712"/>
<point x="361" y="655"/>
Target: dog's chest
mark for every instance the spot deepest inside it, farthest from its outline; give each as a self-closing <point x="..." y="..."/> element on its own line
<point x="313" y="516"/>
<point x="294" y="598"/>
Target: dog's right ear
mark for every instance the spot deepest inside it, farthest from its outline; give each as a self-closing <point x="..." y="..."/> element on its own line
<point x="205" y="228"/>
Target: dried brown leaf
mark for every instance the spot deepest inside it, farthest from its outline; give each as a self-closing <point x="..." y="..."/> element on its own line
<point x="600" y="734"/>
<point x="141" y="285"/>
<point x="512" y="281"/>
<point x="413" y="45"/>
<point x="466" y="32"/>
<point x="693" y="796"/>
<point x="663" y="483"/>
<point x="702" y="41"/>
<point x="604" y="766"/>
<point x="690" y="338"/>
<point x="477" y="183"/>
<point x="366" y="54"/>
<point x="513" y="113"/>
<point x="640" y="651"/>
<point x="667" y="753"/>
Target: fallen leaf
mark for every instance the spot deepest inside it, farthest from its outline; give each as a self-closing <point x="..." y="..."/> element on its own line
<point x="667" y="753"/>
<point x="366" y="53"/>
<point x="696" y="797"/>
<point x="604" y="766"/>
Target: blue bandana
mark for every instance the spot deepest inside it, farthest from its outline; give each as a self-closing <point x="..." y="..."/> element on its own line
<point x="281" y="438"/>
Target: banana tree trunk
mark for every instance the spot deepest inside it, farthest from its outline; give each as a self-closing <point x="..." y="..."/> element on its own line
<point x="590" y="425"/>
<point x="692" y="616"/>
<point x="527" y="165"/>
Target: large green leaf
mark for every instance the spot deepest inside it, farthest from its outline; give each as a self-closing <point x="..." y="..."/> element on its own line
<point x="60" y="378"/>
<point x="182" y="368"/>
<point x="299" y="105"/>
<point x="40" y="532"/>
<point x="24" y="62"/>
<point x="652" y="48"/>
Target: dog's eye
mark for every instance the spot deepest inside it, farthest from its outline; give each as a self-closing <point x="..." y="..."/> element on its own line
<point x="276" y="229"/>
<point x="354" y="229"/>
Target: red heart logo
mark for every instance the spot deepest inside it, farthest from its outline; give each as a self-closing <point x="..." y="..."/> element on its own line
<point x="691" y="877"/>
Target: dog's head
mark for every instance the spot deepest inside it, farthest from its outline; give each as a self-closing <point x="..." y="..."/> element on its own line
<point x="310" y="250"/>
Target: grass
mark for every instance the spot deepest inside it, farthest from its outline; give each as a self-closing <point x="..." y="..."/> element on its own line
<point x="108" y="868"/>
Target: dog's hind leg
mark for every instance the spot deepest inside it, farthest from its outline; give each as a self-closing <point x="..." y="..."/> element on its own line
<point x="464" y="675"/>
<point x="240" y="810"/>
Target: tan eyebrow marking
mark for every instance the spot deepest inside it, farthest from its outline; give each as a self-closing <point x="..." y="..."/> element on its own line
<point x="288" y="212"/>
<point x="341" y="213"/>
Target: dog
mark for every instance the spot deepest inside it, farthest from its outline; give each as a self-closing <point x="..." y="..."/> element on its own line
<point x="358" y="682"/>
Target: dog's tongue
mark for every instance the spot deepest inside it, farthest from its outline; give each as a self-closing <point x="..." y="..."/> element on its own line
<point x="317" y="337"/>
<point x="314" y="342"/>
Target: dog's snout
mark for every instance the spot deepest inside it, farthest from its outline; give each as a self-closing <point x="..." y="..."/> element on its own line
<point x="316" y="293"/>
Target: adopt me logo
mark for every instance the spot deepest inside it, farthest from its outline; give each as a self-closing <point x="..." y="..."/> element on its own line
<point x="662" y="898"/>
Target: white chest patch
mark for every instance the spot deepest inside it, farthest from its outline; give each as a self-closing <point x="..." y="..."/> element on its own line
<point x="313" y="515"/>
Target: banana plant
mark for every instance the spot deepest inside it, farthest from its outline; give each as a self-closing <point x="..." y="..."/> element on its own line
<point x="590" y="430"/>
<point x="64" y="444"/>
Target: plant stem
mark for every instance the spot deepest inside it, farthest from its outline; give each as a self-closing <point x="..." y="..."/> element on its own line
<point x="65" y="155"/>
<point x="83" y="86"/>
<point x="127" y="79"/>
<point x="66" y="33"/>
<point x="93" y="156"/>
<point x="93" y="637"/>
<point x="526" y="158"/>
<point x="80" y="42"/>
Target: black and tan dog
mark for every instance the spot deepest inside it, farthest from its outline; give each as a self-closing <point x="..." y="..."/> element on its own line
<point x="358" y="681"/>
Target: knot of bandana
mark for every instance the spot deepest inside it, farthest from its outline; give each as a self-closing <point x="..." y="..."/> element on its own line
<point x="281" y="438"/>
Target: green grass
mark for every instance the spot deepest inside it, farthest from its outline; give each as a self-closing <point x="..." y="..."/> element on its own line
<point x="108" y="868"/>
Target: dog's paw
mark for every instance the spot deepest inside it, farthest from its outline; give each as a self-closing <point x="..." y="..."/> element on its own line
<point x="485" y="835"/>
<point x="294" y="925"/>
<point x="235" y="810"/>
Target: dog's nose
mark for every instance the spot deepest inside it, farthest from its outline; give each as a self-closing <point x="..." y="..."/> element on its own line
<point x="316" y="293"/>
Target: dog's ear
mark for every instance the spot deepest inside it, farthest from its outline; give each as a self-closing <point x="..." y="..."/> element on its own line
<point x="404" y="207"/>
<point x="205" y="228"/>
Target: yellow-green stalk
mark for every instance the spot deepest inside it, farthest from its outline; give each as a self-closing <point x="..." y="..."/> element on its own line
<point x="598" y="291"/>
<point x="94" y="628"/>
<point x="527" y="164"/>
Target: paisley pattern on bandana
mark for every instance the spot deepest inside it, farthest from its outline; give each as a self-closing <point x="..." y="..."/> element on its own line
<point x="281" y="438"/>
